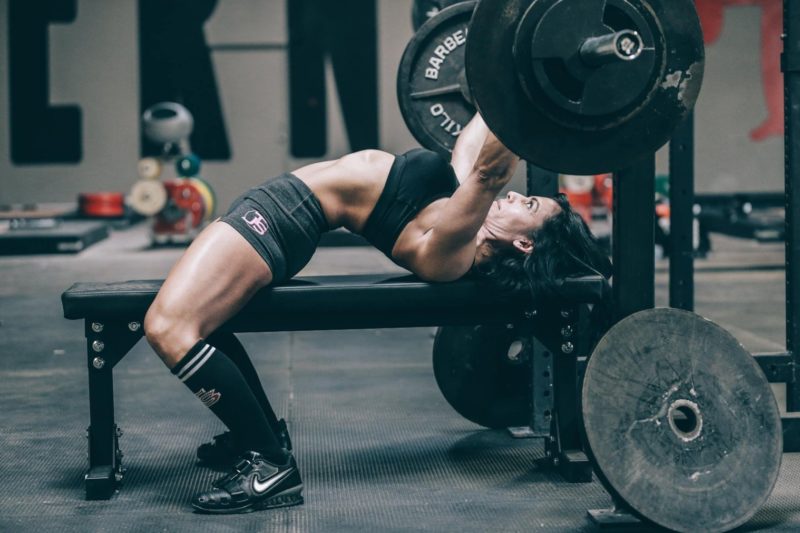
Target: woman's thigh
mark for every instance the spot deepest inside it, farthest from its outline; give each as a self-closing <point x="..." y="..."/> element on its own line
<point x="211" y="282"/>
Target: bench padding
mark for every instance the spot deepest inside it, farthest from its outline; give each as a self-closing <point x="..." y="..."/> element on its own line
<point x="336" y="302"/>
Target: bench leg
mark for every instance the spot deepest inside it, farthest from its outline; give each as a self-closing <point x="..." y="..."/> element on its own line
<point x="542" y="389"/>
<point x="105" y="468"/>
<point x="559" y="350"/>
<point x="571" y="460"/>
<point x="107" y="344"/>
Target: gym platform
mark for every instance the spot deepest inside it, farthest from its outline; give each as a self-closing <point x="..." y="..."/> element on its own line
<point x="378" y="446"/>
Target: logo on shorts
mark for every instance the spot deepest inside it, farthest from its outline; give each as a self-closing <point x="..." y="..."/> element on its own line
<point x="208" y="398"/>
<point x="256" y="221"/>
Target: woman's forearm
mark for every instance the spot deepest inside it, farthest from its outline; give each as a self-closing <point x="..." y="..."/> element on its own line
<point x="468" y="146"/>
<point x="478" y="151"/>
<point x="495" y="164"/>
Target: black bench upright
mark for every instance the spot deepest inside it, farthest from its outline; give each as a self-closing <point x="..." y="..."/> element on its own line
<point x="113" y="315"/>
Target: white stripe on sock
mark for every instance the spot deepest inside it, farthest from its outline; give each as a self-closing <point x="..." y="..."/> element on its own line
<point x="198" y="365"/>
<point x="188" y="366"/>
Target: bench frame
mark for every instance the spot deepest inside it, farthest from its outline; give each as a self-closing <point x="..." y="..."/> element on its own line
<point x="558" y="340"/>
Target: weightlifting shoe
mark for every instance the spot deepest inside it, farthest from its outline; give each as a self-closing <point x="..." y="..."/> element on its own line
<point x="254" y="484"/>
<point x="224" y="449"/>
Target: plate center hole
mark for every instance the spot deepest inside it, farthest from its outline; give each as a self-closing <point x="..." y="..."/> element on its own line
<point x="685" y="419"/>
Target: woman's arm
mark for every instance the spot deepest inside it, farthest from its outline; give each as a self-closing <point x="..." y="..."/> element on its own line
<point x="448" y="248"/>
<point x="468" y="146"/>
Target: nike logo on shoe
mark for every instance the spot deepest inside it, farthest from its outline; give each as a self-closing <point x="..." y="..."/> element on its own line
<point x="261" y="487"/>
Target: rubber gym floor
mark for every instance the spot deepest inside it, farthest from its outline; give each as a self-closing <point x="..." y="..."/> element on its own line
<point x="378" y="446"/>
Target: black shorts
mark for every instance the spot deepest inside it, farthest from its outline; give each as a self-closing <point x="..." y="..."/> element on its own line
<point x="282" y="220"/>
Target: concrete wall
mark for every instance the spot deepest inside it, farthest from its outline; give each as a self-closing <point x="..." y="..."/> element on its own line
<point x="730" y="105"/>
<point x="94" y="64"/>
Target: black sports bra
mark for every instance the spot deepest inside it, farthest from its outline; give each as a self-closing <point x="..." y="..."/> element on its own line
<point x="416" y="179"/>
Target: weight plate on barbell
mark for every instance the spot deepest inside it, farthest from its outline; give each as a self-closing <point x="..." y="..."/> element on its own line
<point x="577" y="142"/>
<point x="484" y="373"/>
<point x="431" y="86"/>
<point x="680" y="421"/>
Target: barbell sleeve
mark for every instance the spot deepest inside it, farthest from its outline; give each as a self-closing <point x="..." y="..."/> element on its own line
<point x="625" y="45"/>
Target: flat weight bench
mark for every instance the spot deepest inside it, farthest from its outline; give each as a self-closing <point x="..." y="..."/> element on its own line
<point x="113" y="314"/>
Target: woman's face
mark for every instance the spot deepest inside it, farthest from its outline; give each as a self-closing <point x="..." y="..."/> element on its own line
<point x="519" y="216"/>
<point x="512" y="220"/>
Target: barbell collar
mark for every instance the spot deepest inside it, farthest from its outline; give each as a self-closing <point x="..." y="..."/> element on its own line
<point x="625" y="45"/>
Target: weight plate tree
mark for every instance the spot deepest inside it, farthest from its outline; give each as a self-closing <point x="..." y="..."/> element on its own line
<point x="680" y="422"/>
<point x="583" y="87"/>
<point x="431" y="86"/>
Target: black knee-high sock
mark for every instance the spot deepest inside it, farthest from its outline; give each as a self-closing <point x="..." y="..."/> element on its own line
<point x="228" y="343"/>
<point x="219" y="384"/>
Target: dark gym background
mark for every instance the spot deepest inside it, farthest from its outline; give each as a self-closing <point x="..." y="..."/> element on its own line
<point x="380" y="448"/>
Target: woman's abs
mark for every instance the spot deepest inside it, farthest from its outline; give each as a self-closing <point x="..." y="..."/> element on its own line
<point x="348" y="188"/>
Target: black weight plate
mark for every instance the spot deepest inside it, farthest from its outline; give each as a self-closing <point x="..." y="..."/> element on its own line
<point x="478" y="378"/>
<point x="681" y="423"/>
<point x="592" y="147"/>
<point x="431" y="85"/>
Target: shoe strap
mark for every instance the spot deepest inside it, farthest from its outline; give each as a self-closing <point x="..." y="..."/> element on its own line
<point x="247" y="461"/>
<point x="241" y="468"/>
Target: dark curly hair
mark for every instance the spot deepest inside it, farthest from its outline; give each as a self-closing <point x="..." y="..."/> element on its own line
<point x="563" y="247"/>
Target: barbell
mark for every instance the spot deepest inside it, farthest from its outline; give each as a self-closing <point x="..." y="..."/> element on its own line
<point x="574" y="86"/>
